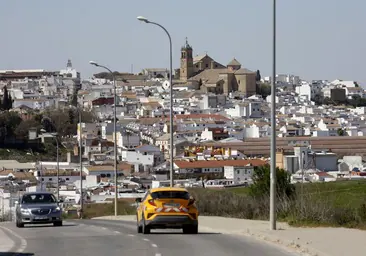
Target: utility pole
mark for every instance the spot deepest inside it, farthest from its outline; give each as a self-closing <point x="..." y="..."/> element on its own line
<point x="272" y="211"/>
<point x="81" y="164"/>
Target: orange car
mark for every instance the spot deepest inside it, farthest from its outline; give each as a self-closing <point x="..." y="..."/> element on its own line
<point x="167" y="207"/>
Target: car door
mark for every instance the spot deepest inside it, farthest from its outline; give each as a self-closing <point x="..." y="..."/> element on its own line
<point x="141" y="206"/>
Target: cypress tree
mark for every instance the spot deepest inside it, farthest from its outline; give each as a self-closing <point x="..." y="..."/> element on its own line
<point x="5" y="103"/>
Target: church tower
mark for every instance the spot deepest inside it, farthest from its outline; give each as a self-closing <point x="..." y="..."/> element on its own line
<point x="186" y="62"/>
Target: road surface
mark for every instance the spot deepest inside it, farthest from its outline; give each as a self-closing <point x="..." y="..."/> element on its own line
<point x="106" y="237"/>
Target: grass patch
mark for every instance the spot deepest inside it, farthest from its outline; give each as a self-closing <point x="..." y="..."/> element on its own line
<point x="107" y="209"/>
<point x="335" y="204"/>
<point x="348" y="194"/>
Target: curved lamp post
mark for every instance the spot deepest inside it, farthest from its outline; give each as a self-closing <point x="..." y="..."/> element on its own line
<point x="143" y="19"/>
<point x="115" y="133"/>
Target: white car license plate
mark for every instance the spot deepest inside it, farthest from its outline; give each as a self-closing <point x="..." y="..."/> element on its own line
<point x="40" y="218"/>
<point x="171" y="205"/>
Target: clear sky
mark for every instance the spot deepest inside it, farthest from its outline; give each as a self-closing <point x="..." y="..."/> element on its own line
<point x="317" y="39"/>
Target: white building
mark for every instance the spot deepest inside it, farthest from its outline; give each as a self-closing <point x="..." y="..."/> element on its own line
<point x="127" y="140"/>
<point x="239" y="174"/>
<point x="246" y="110"/>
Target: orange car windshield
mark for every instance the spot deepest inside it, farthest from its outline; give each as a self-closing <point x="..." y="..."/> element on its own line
<point x="170" y="194"/>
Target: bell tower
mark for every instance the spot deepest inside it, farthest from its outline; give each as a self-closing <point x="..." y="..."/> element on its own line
<point x="186" y="62"/>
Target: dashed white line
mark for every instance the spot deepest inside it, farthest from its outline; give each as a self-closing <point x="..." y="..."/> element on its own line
<point x="104" y="228"/>
<point x="117" y="232"/>
<point x="131" y="235"/>
<point x="154" y="245"/>
<point x="145" y="239"/>
<point x="157" y="254"/>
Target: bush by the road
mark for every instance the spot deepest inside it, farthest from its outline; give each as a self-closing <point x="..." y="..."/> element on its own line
<point x="107" y="209"/>
<point x="317" y="204"/>
<point x="318" y="208"/>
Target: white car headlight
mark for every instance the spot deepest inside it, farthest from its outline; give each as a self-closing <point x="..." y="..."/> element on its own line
<point x="24" y="210"/>
<point x="57" y="209"/>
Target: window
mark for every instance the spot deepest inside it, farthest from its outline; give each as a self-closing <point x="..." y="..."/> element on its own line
<point x="67" y="179"/>
<point x="38" y="199"/>
<point x="50" y="179"/>
<point x="170" y="194"/>
<point x="206" y="65"/>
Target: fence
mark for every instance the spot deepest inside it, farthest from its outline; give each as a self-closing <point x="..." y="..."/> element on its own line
<point x="7" y="205"/>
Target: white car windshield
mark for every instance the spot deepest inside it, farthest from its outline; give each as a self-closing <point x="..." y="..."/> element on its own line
<point x="38" y="199"/>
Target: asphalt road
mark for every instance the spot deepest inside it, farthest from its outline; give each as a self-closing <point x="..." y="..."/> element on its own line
<point x="105" y="237"/>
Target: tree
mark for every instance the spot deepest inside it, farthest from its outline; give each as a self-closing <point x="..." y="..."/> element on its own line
<point x="22" y="130"/>
<point x="64" y="122"/>
<point x="258" y="76"/>
<point x="74" y="99"/>
<point x="261" y="183"/>
<point x="263" y="89"/>
<point x="200" y="84"/>
<point x="8" y="123"/>
<point x="7" y="100"/>
<point x="341" y="132"/>
<point x="10" y="100"/>
<point x="71" y="116"/>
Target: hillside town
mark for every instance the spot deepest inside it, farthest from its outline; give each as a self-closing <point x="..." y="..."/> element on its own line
<point x="221" y="128"/>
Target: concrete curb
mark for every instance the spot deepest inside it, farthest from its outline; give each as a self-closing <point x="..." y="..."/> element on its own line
<point x="302" y="248"/>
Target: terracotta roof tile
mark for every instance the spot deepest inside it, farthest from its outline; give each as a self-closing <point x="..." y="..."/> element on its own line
<point x="183" y="164"/>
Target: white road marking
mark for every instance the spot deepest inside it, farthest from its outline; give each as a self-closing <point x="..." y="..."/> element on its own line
<point x="157" y="254"/>
<point x="104" y="228"/>
<point x="117" y="232"/>
<point x="154" y="245"/>
<point x="23" y="242"/>
<point x="145" y="239"/>
<point x="131" y="235"/>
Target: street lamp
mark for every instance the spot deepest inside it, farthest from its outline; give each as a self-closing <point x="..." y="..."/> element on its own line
<point x="272" y="206"/>
<point x="81" y="163"/>
<point x="58" y="165"/>
<point x="143" y="19"/>
<point x="115" y="133"/>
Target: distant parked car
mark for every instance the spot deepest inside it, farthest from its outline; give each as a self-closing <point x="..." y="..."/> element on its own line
<point x="38" y="208"/>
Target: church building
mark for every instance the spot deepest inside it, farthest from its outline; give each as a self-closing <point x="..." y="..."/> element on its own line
<point x="216" y="78"/>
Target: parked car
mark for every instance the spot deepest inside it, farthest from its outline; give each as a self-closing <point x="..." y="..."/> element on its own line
<point x="38" y="208"/>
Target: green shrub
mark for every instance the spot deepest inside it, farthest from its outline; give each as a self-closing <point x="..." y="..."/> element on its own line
<point x="261" y="183"/>
<point x="107" y="209"/>
<point x="305" y="210"/>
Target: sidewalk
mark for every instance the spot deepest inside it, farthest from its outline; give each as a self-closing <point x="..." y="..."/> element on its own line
<point x="6" y="244"/>
<point x="308" y="241"/>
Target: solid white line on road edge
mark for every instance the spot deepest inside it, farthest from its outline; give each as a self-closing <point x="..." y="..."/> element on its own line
<point x="23" y="242"/>
<point x="117" y="232"/>
<point x="145" y="239"/>
<point x="131" y="235"/>
<point x="154" y="245"/>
